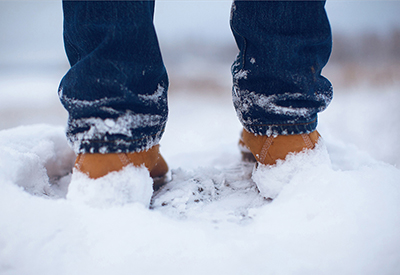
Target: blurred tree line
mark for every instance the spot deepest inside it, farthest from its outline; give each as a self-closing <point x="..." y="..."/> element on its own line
<point x="366" y="47"/>
<point x="368" y="58"/>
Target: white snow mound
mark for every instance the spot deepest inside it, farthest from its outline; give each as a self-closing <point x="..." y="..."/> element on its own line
<point x="131" y="184"/>
<point x="36" y="158"/>
<point x="307" y="165"/>
<point x="336" y="213"/>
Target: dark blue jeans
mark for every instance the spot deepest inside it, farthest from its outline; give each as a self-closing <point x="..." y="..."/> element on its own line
<point x="277" y="84"/>
<point x="116" y="89"/>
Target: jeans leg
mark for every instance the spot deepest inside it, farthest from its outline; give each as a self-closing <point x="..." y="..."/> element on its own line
<point x="283" y="46"/>
<point x="116" y="89"/>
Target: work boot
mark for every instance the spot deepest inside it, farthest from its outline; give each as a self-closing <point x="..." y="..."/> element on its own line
<point x="268" y="149"/>
<point x="98" y="165"/>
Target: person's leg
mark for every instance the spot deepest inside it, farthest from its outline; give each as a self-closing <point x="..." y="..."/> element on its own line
<point x="116" y="90"/>
<point x="277" y="84"/>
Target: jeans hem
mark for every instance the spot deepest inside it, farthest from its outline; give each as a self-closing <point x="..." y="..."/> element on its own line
<point x="117" y="146"/>
<point x="282" y="129"/>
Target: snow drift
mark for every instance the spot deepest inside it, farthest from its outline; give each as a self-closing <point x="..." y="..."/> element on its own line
<point x="335" y="213"/>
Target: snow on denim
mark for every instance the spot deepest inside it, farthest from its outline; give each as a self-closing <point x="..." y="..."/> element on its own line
<point x="277" y="83"/>
<point x="116" y="89"/>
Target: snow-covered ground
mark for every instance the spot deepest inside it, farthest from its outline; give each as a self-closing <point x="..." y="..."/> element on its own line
<point x="337" y="210"/>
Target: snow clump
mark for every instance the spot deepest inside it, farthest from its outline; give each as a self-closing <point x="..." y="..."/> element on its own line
<point x="131" y="184"/>
<point x="271" y="179"/>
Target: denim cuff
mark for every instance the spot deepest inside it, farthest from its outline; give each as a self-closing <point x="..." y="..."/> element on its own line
<point x="96" y="135"/>
<point x="117" y="146"/>
<point x="283" y="129"/>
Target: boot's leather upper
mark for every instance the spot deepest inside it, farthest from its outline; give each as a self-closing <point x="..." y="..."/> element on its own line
<point x="267" y="150"/>
<point x="98" y="165"/>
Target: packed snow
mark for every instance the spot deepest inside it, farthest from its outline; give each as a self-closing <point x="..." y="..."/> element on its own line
<point x="335" y="209"/>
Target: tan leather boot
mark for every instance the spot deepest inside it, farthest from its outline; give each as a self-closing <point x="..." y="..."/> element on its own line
<point x="98" y="165"/>
<point x="267" y="150"/>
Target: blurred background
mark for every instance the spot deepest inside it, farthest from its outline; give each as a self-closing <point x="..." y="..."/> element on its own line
<point x="198" y="49"/>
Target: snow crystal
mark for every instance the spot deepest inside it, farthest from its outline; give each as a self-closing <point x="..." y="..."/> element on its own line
<point x="246" y="100"/>
<point x="156" y="96"/>
<point x="324" y="97"/>
<point x="109" y="123"/>
<point x="109" y="110"/>
<point x="84" y="103"/>
<point x="241" y="74"/>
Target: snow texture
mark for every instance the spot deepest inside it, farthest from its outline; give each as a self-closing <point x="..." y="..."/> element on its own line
<point x="36" y="158"/>
<point x="269" y="103"/>
<point x="132" y="184"/>
<point x="123" y="125"/>
<point x="156" y="96"/>
<point x="330" y="215"/>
